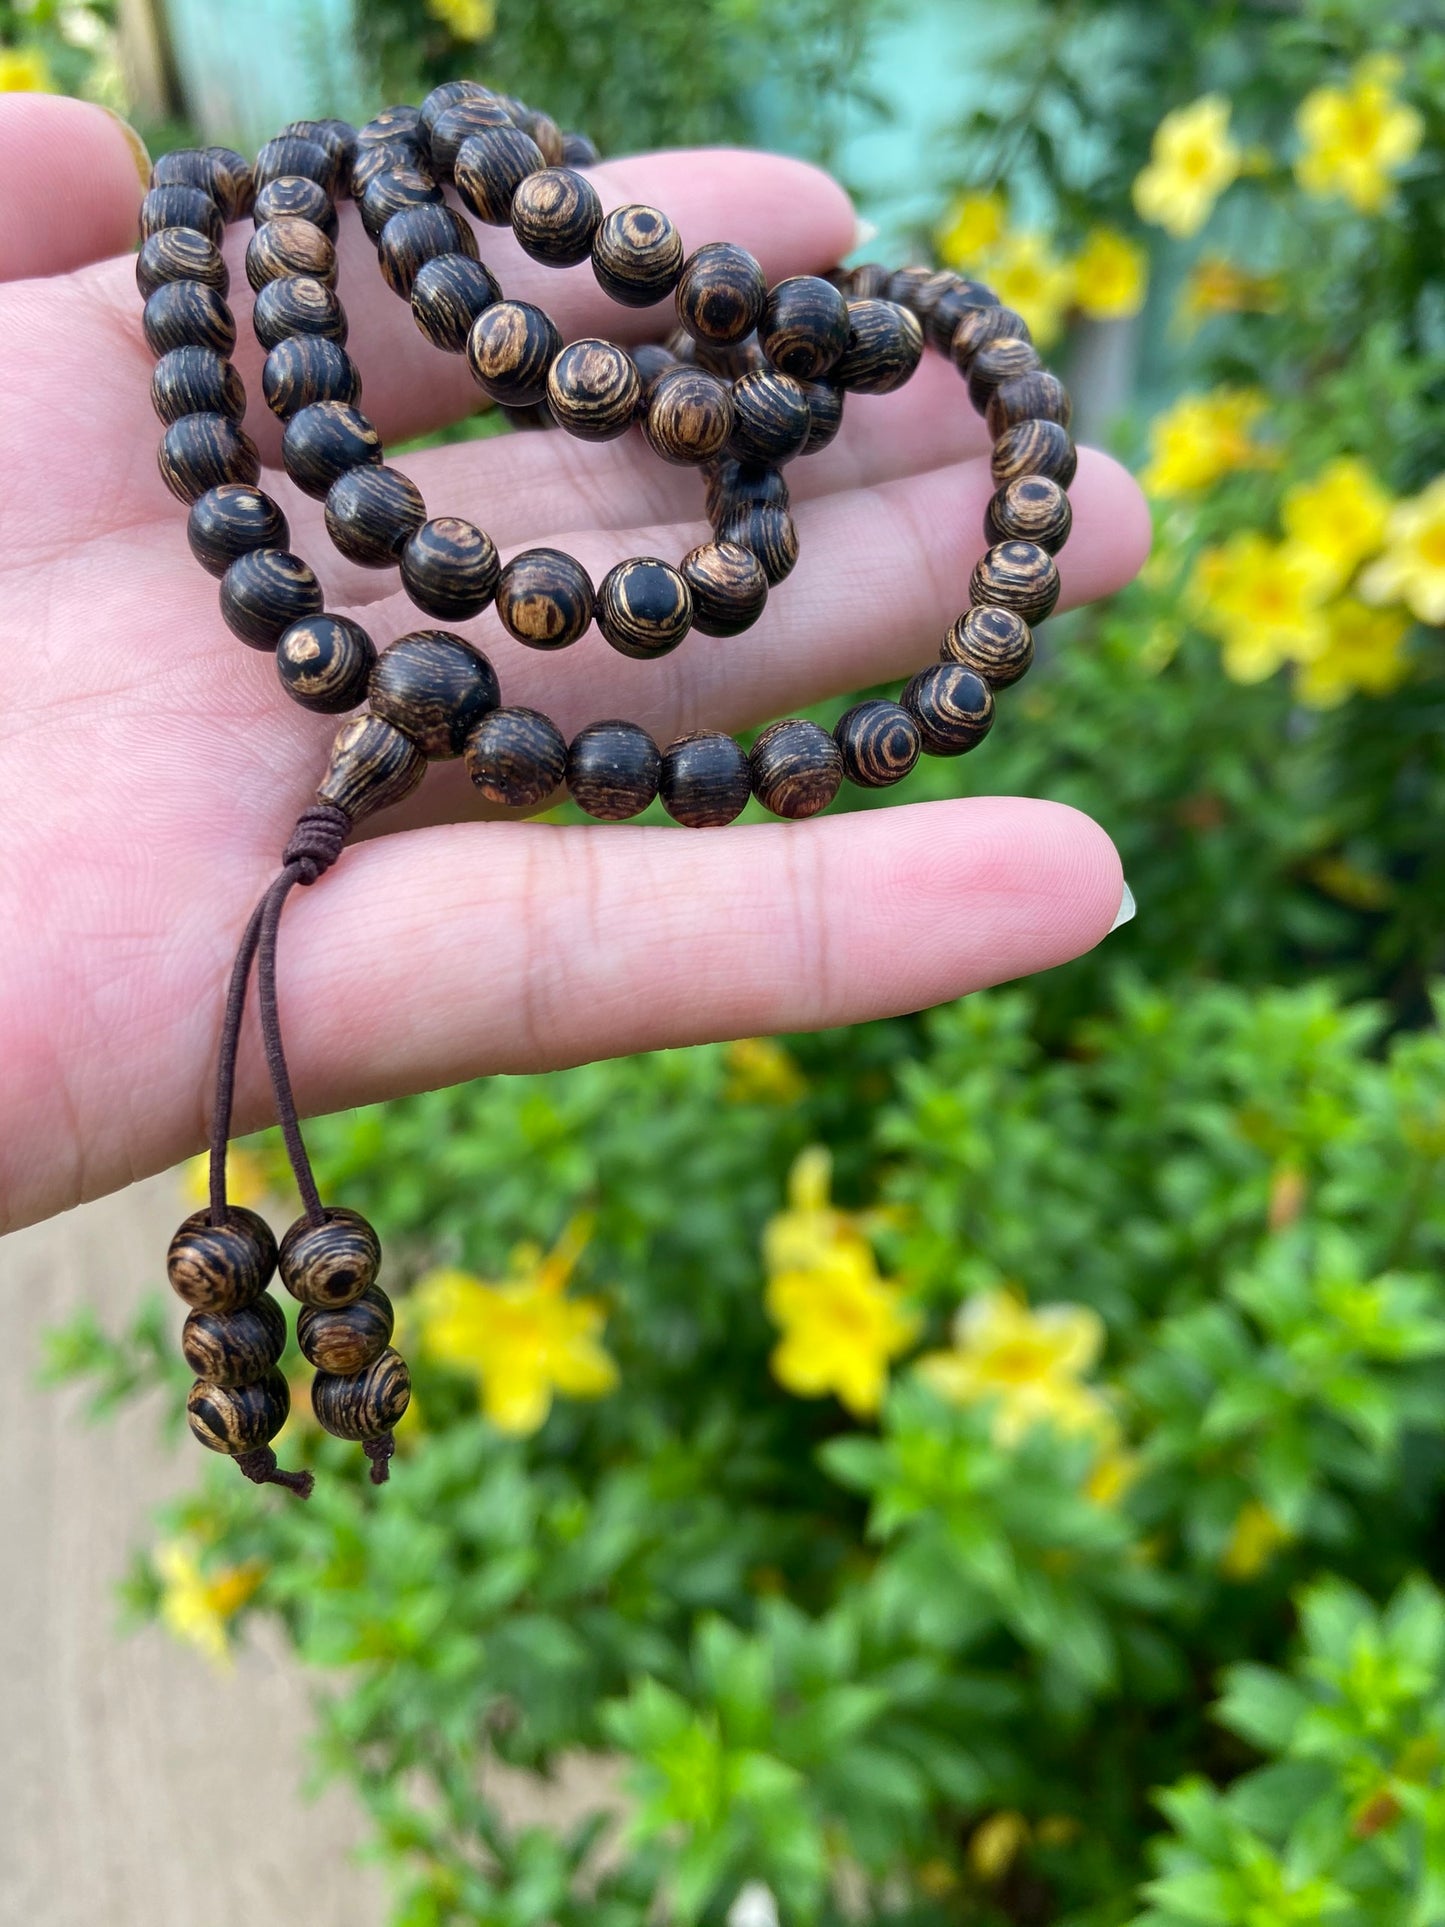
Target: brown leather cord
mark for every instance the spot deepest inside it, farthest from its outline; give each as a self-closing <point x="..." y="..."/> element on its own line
<point x="226" y="1067"/>
<point x="379" y="1451"/>
<point x="261" y="1468"/>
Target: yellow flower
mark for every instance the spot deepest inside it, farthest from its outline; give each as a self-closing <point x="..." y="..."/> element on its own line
<point x="1029" y="1364"/>
<point x="1114" y="1471"/>
<point x="1111" y="275"/>
<point x="1262" y="599"/>
<point x="1357" y="138"/>
<point x="1027" y="276"/>
<point x="1364" y="650"/>
<point x="1202" y="438"/>
<point x="1412" y="569"/>
<point x="467" y="19"/>
<point x="760" y="1071"/>
<point x="1192" y="161"/>
<point x="1256" y="1537"/>
<point x="812" y="1227"/>
<point x="1337" y="519"/>
<point x="522" y="1339"/>
<point x="248" y="1179"/>
<point x="197" y="1607"/>
<point x="996" y="1843"/>
<point x="972" y="226"/>
<point x="1215" y="285"/>
<point x="24" y="70"/>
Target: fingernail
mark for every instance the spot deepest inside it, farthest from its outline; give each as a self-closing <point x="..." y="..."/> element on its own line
<point x="139" y="152"/>
<point x="864" y="233"/>
<point x="1128" y="909"/>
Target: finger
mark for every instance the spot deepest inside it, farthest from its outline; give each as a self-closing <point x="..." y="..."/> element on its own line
<point x="74" y="175"/>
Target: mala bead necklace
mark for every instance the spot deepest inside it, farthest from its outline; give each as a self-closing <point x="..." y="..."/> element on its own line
<point x="751" y="378"/>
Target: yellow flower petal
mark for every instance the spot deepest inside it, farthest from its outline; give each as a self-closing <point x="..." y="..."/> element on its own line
<point x="1355" y="139"/>
<point x="1192" y="161"/>
<point x="1111" y="275"/>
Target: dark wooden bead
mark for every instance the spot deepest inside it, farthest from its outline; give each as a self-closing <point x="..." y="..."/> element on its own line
<point x="593" y="390"/>
<point x="186" y="314"/>
<point x="804" y="328"/>
<point x="436" y="687"/>
<point x="868" y="282"/>
<point x="289" y="246"/>
<point x="474" y="115"/>
<point x="979" y="328"/>
<point x="264" y="592"/>
<point x="510" y="349"/>
<point x="905" y="285"/>
<point x="448" y="294"/>
<point x="294" y="198"/>
<point x="238" y="1418"/>
<point x="555" y="215"/>
<point x="416" y="235"/>
<point x="331" y="1263"/>
<point x="825" y="412"/>
<point x="447" y="94"/>
<point x="180" y="254"/>
<point x="613" y="770"/>
<point x="235" y="1347"/>
<point x="958" y="299"/>
<point x="1035" y="448"/>
<point x="391" y="191"/>
<point x="373" y="765"/>
<point x="996" y="644"/>
<point x="728" y="360"/>
<point x="298" y="304"/>
<point x="517" y="757"/>
<point x="796" y="768"/>
<point x="644" y="607"/>
<point x="293" y="154"/>
<point x="733" y="484"/>
<point x="885" y="346"/>
<point x="196" y="381"/>
<point x="1030" y="509"/>
<point x="551" y="141"/>
<point x="231" y="520"/>
<point x="651" y="359"/>
<point x="344" y="1339"/>
<point x="728" y="585"/>
<point x="689" y="415"/>
<point x="545" y="598"/>
<point x="996" y="362"/>
<point x="1016" y="575"/>
<point x="371" y="512"/>
<point x="706" y="780"/>
<point x="399" y="123"/>
<point x="721" y="293"/>
<point x="578" y="151"/>
<point x="325" y="663"/>
<point x="180" y="206"/>
<point x="450" y="568"/>
<point x="304" y="369"/>
<point x="366" y="1404"/>
<point x="386" y="157"/>
<point x="325" y="441"/>
<point x="1034" y="396"/>
<point x="534" y="415"/>
<point x="952" y="707"/>
<point x="878" y="742"/>
<point x="637" y="256"/>
<point x="219" y="172"/>
<point x="770" y="418"/>
<point x="199" y="452"/>
<point x="221" y="1267"/>
<point x="491" y="166"/>
<point x="338" y="137"/>
<point x="769" y="532"/>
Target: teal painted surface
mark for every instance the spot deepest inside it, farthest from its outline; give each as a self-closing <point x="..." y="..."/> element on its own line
<point x="248" y="66"/>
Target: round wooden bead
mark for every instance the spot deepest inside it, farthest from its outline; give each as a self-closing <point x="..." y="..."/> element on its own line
<point x="293" y="154"/>
<point x="1016" y="575"/>
<point x="804" y="328"/>
<point x="326" y="440"/>
<point x="491" y="166"/>
<point x="223" y="175"/>
<point x="373" y="765"/>
<point x="344" y="1339"/>
<point x="958" y="299"/>
<point x="551" y="141"/>
<point x="996" y="644"/>
<point x="904" y="286"/>
<point x="651" y="359"/>
<point x="555" y="216"/>
<point x="450" y="568"/>
<point x="446" y="94"/>
<point x="998" y="361"/>
<point x="435" y="686"/>
<point x="1035" y="448"/>
<point x="825" y="413"/>
<point x="770" y="417"/>
<point x="644" y="608"/>
<point x="264" y="592"/>
<point x="689" y="415"/>
<point x="517" y="758"/>
<point x="386" y="157"/>
<point x="868" y="282"/>
<point x="732" y="484"/>
<point x="979" y="328"/>
<point x="181" y="206"/>
<point x="370" y="513"/>
<point x="878" y="742"/>
<point x="416" y="235"/>
<point x="593" y="390"/>
<point x="394" y="190"/>
<point x="187" y="314"/>
<point x="325" y="663"/>
<point x="180" y="254"/>
<point x="578" y="151"/>
<point x="885" y="346"/>
<point x="510" y="349"/>
<point x="545" y="598"/>
<point x="399" y="123"/>
<point x="796" y="768"/>
<point x="459" y="122"/>
<point x="337" y="137"/>
<point x="613" y="770"/>
<point x="637" y="256"/>
<point x="235" y="1347"/>
<point x="298" y="304"/>
<point x="1034" y="396"/>
<point x="728" y="585"/>
<point x="230" y="521"/>
<point x="221" y="1267"/>
<point x="721" y="293"/>
<point x="304" y="369"/>
<point x="196" y="381"/>
<point x="238" y="1418"/>
<point x="200" y="451"/>
<point x="767" y="531"/>
<point x="1029" y="509"/>
<point x="952" y="707"/>
<point x="365" y="1405"/>
<point x="448" y="294"/>
<point x="729" y="361"/>
<point x="330" y="1263"/>
<point x="294" y="198"/>
<point x="289" y="246"/>
<point x="706" y="780"/>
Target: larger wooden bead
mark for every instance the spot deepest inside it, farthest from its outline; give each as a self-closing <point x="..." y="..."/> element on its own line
<point x="885" y="346"/>
<point x="1030" y="509"/>
<point x="181" y="206"/>
<point x="729" y="587"/>
<point x="593" y="390"/>
<point x="294" y="198"/>
<point x="186" y="314"/>
<point x="325" y="663"/>
<point x="221" y="1267"/>
<point x="298" y="304"/>
<point x="517" y="758"/>
<point x="344" y="1339"/>
<point x="721" y="293"/>
<point x="768" y="532"/>
<point x="370" y="513"/>
<point x="264" y="592"/>
<point x="1035" y="448"/>
<point x="796" y="768"/>
<point x="238" y="1418"/>
<point x="373" y="765"/>
<point x="450" y="568"/>
<point x="196" y="381"/>
<point x="770" y="417"/>
<point x="545" y="598"/>
<point x="365" y="1405"/>
<point x="448" y="294"/>
<point x="491" y="166"/>
<point x="1034" y="396"/>
<point x="637" y="256"/>
<point x="998" y="362"/>
<point x="555" y="216"/>
<point x="996" y="644"/>
<point x="510" y="349"/>
<point x="293" y="154"/>
<point x="435" y="686"/>
<point x="952" y="707"/>
<point x="325" y="441"/>
<point x="474" y="115"/>
<point x="330" y="1263"/>
<point x="235" y="1347"/>
<point x="201" y="451"/>
<point x="878" y="742"/>
<point x="230" y="521"/>
<point x="305" y="369"/>
<point x="644" y="608"/>
<point x="180" y="254"/>
<point x="415" y="236"/>
<point x="613" y="770"/>
<point x="1016" y="575"/>
<point x="689" y="416"/>
<point x="706" y="780"/>
<point x="804" y="327"/>
<point x="289" y="247"/>
<point x="979" y="328"/>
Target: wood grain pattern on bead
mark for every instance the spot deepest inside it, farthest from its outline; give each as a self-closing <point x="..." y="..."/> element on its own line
<point x="551" y="141"/>
<point x="796" y="768"/>
<point x="1035" y="395"/>
<point x="264" y="591"/>
<point x="979" y="328"/>
<point x="435" y="686"/>
<point x="373" y="765"/>
<point x="721" y="293"/>
<point x="555" y="216"/>
<point x="770" y="418"/>
<point x="199" y="452"/>
<point x="444" y="95"/>
<point x="879" y="743"/>
<point x="196" y="381"/>
<point x="804" y="326"/>
<point x="768" y="532"/>
<point x="952" y="707"/>
<point x="220" y="1268"/>
<point x="325" y="663"/>
<point x="490" y="166"/>
<point x="294" y="198"/>
<point x="733" y="484"/>
<point x="415" y="235"/>
<point x="997" y="362"/>
<point x="371" y="512"/>
<point x="289" y="246"/>
<point x="517" y="758"/>
<point x="325" y="441"/>
<point x="180" y="206"/>
<point x="1029" y="509"/>
<point x="706" y="780"/>
<point x="180" y="254"/>
<point x="613" y="769"/>
<point x="231" y="520"/>
<point x="187" y="314"/>
<point x="237" y="1418"/>
<point x="448" y="294"/>
<point x="344" y="1339"/>
<point x="1035" y="448"/>
<point x="474" y="115"/>
<point x="637" y="256"/>
<point x="996" y="644"/>
<point x="450" y="568"/>
<point x="593" y="390"/>
<point x="825" y="413"/>
<point x="954" y="303"/>
<point x="220" y="173"/>
<point x="235" y="1347"/>
<point x="1016" y="575"/>
<point x="366" y="1403"/>
<point x="386" y="157"/>
<point x="885" y="346"/>
<point x="688" y="417"/>
<point x="298" y="304"/>
<point x="729" y="587"/>
<point x="330" y="1263"/>
<point x="294" y="154"/>
<point x="644" y="607"/>
<point x="305" y="369"/>
<point x="510" y="350"/>
<point x="545" y="598"/>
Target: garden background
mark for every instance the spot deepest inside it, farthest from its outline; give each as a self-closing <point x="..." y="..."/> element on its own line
<point x="988" y="1466"/>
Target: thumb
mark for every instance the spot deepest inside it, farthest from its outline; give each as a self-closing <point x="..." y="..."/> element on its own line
<point x="74" y="175"/>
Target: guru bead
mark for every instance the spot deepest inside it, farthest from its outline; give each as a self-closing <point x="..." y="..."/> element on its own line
<point x="325" y="663"/>
<point x="1035" y="448"/>
<point x="305" y="369"/>
<point x="196" y="381"/>
<point x="180" y="254"/>
<point x="289" y="247"/>
<point x="297" y="304"/>
<point x="450" y="568"/>
<point x="996" y="644"/>
<point x="344" y="1339"/>
<point x="517" y="758"/>
<point x="235" y="1347"/>
<point x="323" y="442"/>
<point x="545" y="598"/>
<point x="555" y="216"/>
<point x="371" y="512"/>
<point x="230" y="521"/>
<point x="721" y="293"/>
<point x="885" y="346"/>
<point x="729" y="587"/>
<point x="199" y="452"/>
<point x="1016" y="575"/>
<point x="330" y="1263"/>
<point x="364" y="1404"/>
<point x="434" y="686"/>
<point x="689" y="416"/>
<point x="264" y="592"/>
<point x="804" y="326"/>
<point x="796" y="768"/>
<point x="222" y="1267"/>
<point x="448" y="294"/>
<point x="235" y="1419"/>
<point x="952" y="707"/>
<point x="878" y="742"/>
<point x="644" y="608"/>
<point x="489" y="168"/>
<point x="770" y="417"/>
<point x="1030" y="509"/>
<point x="593" y="390"/>
<point x="637" y="256"/>
<point x="510" y="349"/>
<point x="373" y="765"/>
<point x="706" y="780"/>
<point x="613" y="770"/>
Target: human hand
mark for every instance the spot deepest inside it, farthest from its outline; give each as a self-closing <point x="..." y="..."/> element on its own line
<point x="151" y="767"/>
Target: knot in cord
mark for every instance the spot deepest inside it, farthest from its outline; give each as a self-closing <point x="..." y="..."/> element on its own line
<point x="317" y="840"/>
<point x="379" y="1451"/>
<point x="261" y="1468"/>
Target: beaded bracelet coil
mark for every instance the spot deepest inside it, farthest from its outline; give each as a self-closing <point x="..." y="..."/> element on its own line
<point x="751" y="378"/>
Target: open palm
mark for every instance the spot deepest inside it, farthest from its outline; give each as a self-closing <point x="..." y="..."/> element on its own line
<point x="151" y="767"/>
